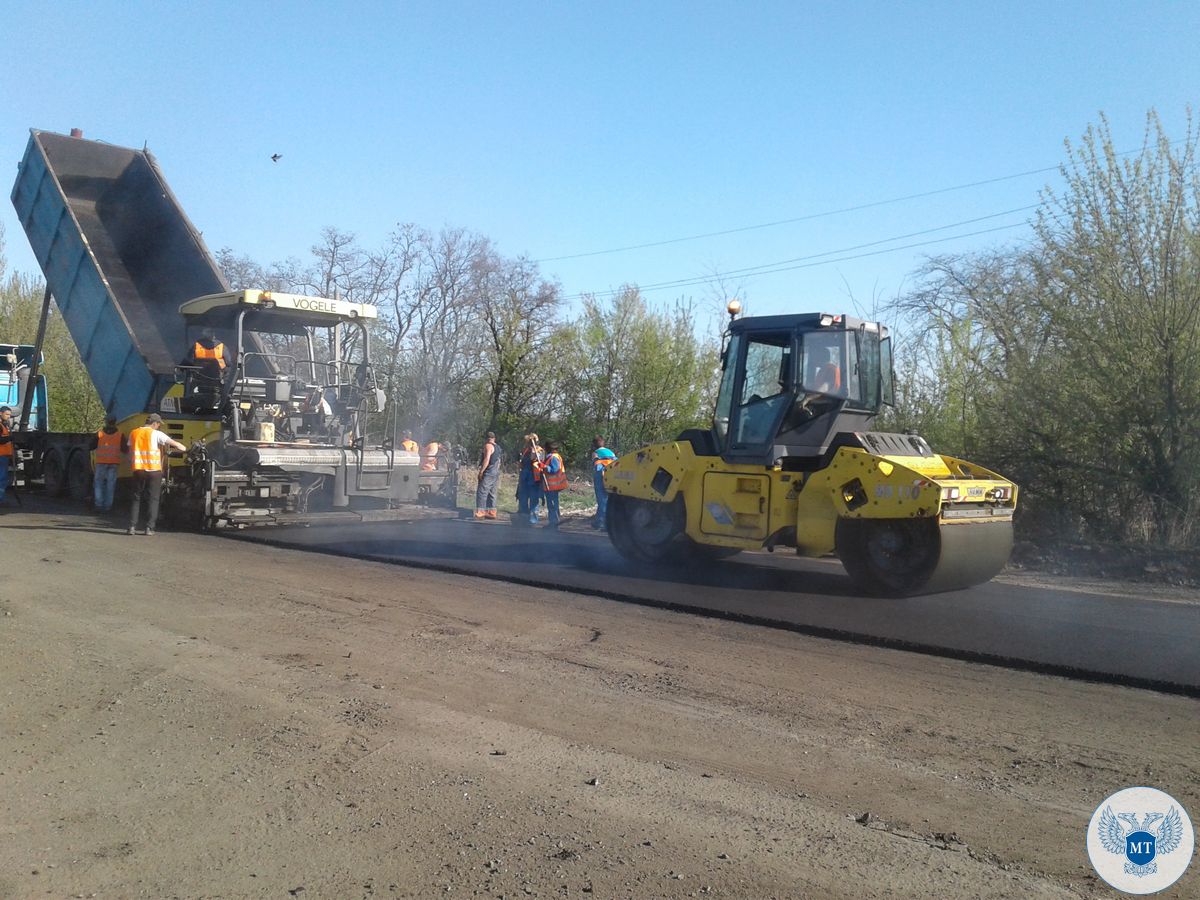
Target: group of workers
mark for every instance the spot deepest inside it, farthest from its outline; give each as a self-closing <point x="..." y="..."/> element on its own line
<point x="144" y="447"/>
<point x="541" y="478"/>
<point x="429" y="453"/>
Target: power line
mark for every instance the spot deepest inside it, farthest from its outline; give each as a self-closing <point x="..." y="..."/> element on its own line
<point x="820" y="215"/>
<point x="899" y="237"/>
<point x="688" y="282"/>
<point x="807" y="218"/>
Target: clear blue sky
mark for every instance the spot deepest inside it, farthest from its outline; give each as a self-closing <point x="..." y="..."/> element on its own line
<point x="559" y="129"/>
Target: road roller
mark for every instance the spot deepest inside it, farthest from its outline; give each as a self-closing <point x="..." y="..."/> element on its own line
<point x="791" y="461"/>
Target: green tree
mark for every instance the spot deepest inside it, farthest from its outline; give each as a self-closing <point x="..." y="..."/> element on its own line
<point x="1074" y="364"/>
<point x="634" y="374"/>
<point x="74" y="405"/>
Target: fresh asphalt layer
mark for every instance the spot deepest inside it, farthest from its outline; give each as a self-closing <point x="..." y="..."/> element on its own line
<point x="1138" y="642"/>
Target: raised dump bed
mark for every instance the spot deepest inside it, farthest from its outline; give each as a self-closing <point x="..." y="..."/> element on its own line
<point x="119" y="255"/>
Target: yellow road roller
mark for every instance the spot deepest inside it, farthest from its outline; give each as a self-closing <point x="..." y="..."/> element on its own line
<point x="791" y="461"/>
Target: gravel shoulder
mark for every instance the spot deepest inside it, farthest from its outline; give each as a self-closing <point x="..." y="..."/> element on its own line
<point x="188" y="716"/>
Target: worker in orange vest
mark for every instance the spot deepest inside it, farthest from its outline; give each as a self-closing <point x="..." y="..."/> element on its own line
<point x="554" y="482"/>
<point x="6" y="448"/>
<point x="407" y="443"/>
<point x="602" y="458"/>
<point x="209" y="354"/>
<point x="109" y="446"/>
<point x="146" y="443"/>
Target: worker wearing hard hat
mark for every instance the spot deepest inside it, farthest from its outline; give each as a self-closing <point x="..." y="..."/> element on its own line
<point x="407" y="443"/>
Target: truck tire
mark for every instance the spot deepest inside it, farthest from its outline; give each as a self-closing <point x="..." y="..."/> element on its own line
<point x="54" y="473"/>
<point x="79" y="476"/>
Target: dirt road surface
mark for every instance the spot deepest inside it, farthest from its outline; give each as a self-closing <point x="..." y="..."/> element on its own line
<point x="184" y="716"/>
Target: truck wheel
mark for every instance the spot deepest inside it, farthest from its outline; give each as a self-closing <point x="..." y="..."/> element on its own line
<point x="79" y="476"/>
<point x="645" y="531"/>
<point x="54" y="473"/>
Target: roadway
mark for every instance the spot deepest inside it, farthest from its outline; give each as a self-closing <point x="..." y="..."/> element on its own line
<point x="1141" y="642"/>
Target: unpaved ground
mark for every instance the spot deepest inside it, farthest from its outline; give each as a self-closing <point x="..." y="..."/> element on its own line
<point x="183" y="716"/>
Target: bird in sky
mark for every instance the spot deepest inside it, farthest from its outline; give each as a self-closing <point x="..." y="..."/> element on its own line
<point x="276" y="157"/>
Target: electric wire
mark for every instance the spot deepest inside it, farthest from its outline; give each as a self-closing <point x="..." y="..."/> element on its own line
<point x="831" y="212"/>
<point x="805" y="262"/>
<point x="806" y="218"/>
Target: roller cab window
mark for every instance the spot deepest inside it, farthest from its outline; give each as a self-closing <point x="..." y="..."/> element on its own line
<point x="757" y="389"/>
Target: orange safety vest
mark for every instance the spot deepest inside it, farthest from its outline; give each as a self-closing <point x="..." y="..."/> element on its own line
<point x="832" y="373"/>
<point x="555" y="481"/>
<point x="146" y="456"/>
<point x="5" y="449"/>
<point x="217" y="353"/>
<point x="429" y="456"/>
<point x="108" y="448"/>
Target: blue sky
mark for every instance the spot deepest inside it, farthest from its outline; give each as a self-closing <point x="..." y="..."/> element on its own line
<point x="569" y="128"/>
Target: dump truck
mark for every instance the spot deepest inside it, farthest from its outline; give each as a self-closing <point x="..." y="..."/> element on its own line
<point x="282" y="434"/>
<point x="791" y="461"/>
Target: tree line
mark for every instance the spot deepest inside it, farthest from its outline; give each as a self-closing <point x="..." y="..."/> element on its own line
<point x="470" y="341"/>
<point x="1070" y="362"/>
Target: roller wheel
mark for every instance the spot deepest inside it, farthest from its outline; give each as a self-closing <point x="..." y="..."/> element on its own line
<point x="79" y="476"/>
<point x="54" y="474"/>
<point x="645" y="531"/>
<point x="889" y="557"/>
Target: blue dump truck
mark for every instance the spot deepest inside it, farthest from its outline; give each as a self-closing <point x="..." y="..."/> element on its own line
<point x="279" y="435"/>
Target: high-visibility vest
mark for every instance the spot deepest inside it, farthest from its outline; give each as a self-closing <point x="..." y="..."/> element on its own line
<point x="410" y="446"/>
<point x="108" y="448"/>
<point x="147" y="457"/>
<point x="5" y="449"/>
<point x="429" y="456"/>
<point x="217" y="353"/>
<point x="831" y="374"/>
<point x="603" y="462"/>
<point x="555" y="481"/>
<point x="537" y="458"/>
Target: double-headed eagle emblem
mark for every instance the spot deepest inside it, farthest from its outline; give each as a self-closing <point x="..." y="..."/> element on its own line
<point x="1123" y="834"/>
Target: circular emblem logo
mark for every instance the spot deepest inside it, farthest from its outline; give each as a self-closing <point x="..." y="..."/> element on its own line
<point x="1140" y="840"/>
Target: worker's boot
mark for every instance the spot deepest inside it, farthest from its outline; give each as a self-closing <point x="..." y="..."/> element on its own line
<point x="130" y="530"/>
<point x="491" y="514"/>
<point x="480" y="514"/>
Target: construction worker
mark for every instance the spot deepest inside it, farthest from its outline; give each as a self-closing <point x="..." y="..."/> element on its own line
<point x="6" y="448"/>
<point x="602" y="458"/>
<point x="529" y="481"/>
<point x="489" y="479"/>
<point x="146" y="445"/>
<point x="209" y="355"/>
<point x="429" y="456"/>
<point x="109" y="446"/>
<point x="554" y="482"/>
<point x="407" y="443"/>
